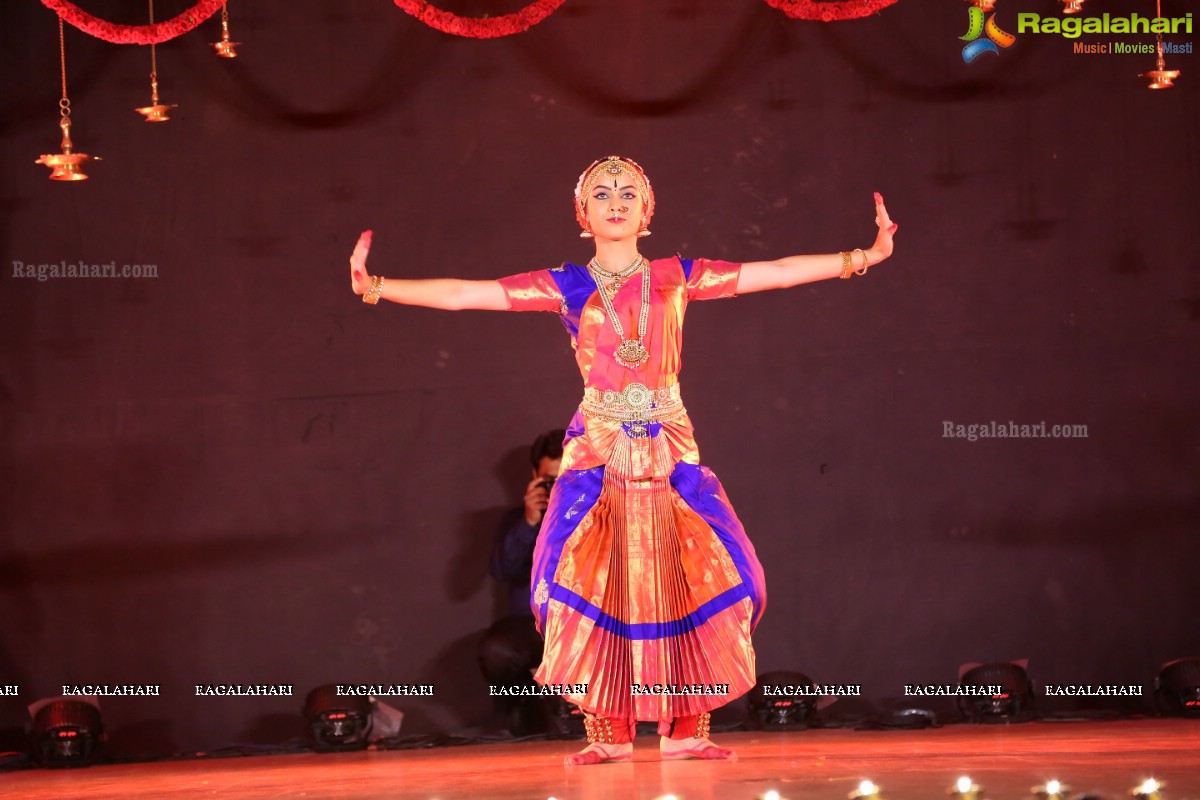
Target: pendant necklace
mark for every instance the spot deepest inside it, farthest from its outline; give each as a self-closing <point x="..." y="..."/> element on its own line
<point x="630" y="353"/>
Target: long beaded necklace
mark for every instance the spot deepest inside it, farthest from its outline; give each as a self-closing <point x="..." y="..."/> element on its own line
<point x="630" y="352"/>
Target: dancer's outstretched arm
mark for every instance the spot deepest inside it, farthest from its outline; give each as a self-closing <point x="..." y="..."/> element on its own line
<point x="447" y="293"/>
<point x="758" y="276"/>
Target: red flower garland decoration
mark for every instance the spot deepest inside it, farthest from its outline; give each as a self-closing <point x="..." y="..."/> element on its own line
<point x="157" y="33"/>
<point x="480" y="27"/>
<point x="829" y="12"/>
<point x="444" y="21"/>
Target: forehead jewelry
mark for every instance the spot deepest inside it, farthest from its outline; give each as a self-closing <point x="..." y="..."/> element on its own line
<point x="611" y="167"/>
<point x="630" y="353"/>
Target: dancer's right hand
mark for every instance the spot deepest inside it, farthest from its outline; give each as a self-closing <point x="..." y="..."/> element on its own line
<point x="360" y="281"/>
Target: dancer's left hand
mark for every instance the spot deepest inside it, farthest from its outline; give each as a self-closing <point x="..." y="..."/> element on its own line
<point x="360" y="279"/>
<point x="883" y="240"/>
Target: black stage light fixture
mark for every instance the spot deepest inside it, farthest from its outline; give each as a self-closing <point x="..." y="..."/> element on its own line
<point x="782" y="700"/>
<point x="1012" y="703"/>
<point x="65" y="733"/>
<point x="1177" y="688"/>
<point x="337" y="722"/>
<point x="912" y="719"/>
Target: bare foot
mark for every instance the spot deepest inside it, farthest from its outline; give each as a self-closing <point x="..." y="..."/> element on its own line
<point x="677" y="749"/>
<point x="597" y="753"/>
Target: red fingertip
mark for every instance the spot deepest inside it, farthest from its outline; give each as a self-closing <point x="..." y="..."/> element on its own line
<point x="878" y="197"/>
<point x="892" y="229"/>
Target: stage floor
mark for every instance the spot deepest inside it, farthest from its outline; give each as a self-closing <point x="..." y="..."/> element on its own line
<point x="1099" y="759"/>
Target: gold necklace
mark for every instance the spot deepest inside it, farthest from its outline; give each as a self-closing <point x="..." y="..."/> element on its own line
<point x="615" y="279"/>
<point x="630" y="353"/>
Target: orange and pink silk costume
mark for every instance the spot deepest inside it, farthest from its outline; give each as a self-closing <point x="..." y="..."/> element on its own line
<point x="642" y="573"/>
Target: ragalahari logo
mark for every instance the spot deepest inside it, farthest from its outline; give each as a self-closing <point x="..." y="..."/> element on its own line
<point x="996" y="38"/>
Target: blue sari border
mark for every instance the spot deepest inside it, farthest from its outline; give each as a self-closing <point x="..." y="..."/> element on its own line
<point x="641" y="631"/>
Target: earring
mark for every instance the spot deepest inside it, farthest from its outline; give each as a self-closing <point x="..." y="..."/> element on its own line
<point x="586" y="235"/>
<point x="644" y="232"/>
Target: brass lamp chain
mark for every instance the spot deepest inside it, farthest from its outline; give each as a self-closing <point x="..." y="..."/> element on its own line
<point x="1158" y="15"/>
<point x="64" y="103"/>
<point x="153" y="60"/>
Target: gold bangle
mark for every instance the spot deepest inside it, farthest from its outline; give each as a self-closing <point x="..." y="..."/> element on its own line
<point x="865" y="265"/>
<point x="373" y="294"/>
<point x="845" y="265"/>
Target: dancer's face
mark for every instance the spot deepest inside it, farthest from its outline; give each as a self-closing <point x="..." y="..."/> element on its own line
<point x="614" y="207"/>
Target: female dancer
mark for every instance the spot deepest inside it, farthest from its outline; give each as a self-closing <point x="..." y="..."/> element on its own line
<point x="645" y="585"/>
